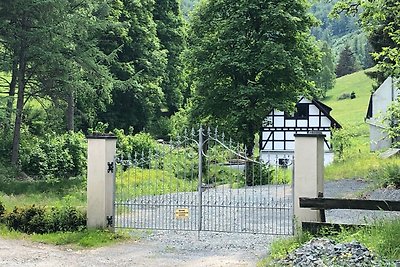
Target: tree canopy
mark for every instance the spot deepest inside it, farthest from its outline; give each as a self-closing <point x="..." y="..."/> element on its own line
<point x="247" y="58"/>
<point x="381" y="21"/>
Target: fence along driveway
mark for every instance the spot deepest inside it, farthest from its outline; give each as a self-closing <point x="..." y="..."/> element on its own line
<point x="201" y="182"/>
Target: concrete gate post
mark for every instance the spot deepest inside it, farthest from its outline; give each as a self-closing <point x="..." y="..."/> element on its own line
<point x="308" y="174"/>
<point x="100" y="180"/>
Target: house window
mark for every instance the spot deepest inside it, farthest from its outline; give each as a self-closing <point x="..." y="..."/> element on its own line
<point x="302" y="111"/>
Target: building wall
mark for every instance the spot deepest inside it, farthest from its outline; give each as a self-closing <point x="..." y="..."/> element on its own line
<point x="382" y="98"/>
<point x="273" y="157"/>
<point x="379" y="139"/>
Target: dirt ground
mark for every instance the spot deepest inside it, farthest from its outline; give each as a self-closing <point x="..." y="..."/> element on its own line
<point x="137" y="253"/>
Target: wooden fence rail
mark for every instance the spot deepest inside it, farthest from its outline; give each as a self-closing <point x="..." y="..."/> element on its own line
<point x="323" y="204"/>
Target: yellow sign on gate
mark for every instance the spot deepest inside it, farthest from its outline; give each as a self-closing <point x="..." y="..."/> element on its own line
<point x="182" y="213"/>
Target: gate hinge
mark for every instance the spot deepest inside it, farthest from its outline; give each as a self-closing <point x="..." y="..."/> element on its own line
<point x="109" y="221"/>
<point x="110" y="167"/>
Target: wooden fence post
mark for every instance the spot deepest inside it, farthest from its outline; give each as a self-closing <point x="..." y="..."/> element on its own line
<point x="100" y="180"/>
<point x="308" y="175"/>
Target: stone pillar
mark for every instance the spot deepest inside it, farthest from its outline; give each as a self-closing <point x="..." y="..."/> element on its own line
<point x="100" y="180"/>
<point x="308" y="174"/>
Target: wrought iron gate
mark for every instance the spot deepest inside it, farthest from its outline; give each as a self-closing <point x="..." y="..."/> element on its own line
<point x="202" y="182"/>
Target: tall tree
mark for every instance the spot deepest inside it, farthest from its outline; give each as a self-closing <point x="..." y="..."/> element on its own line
<point x="325" y="79"/>
<point x="347" y="62"/>
<point x="170" y="32"/>
<point x="248" y="57"/>
<point x="139" y="65"/>
<point x="41" y="37"/>
<point x="381" y="20"/>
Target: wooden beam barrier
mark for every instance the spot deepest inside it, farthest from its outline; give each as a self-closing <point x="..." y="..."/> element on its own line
<point x="359" y="204"/>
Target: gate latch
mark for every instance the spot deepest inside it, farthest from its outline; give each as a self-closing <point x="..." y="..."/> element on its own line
<point x="109" y="221"/>
<point x="110" y="167"/>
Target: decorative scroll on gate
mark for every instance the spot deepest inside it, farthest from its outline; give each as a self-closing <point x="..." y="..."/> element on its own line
<point x="202" y="182"/>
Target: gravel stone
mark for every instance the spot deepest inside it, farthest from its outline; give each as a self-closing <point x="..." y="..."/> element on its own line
<point x="325" y="252"/>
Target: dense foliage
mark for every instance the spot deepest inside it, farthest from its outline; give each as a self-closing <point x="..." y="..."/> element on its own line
<point x="39" y="220"/>
<point x="54" y="156"/>
<point x="248" y="58"/>
<point x="141" y="66"/>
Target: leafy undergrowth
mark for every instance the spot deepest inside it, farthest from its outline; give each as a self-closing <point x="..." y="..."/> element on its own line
<point x="78" y="239"/>
<point x="382" y="238"/>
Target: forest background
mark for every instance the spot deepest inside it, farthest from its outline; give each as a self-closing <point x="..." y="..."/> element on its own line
<point x="152" y="68"/>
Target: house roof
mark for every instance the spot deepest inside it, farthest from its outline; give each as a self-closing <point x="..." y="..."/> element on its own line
<point x="382" y="97"/>
<point x="326" y="110"/>
<point x="369" y="110"/>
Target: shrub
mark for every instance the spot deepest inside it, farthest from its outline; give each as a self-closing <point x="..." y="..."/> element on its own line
<point x="225" y="175"/>
<point x="258" y="174"/>
<point x="60" y="156"/>
<point x="40" y="220"/>
<point x="27" y="220"/>
<point x="341" y="142"/>
<point x="387" y="175"/>
<point x="139" y="146"/>
<point x="66" y="219"/>
<point x="183" y="162"/>
<point x="344" y="96"/>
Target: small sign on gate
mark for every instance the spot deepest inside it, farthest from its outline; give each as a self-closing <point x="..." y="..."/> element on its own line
<point x="182" y="213"/>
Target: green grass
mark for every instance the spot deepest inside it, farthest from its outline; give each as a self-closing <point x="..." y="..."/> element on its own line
<point x="144" y="182"/>
<point x="43" y="193"/>
<point x="350" y="112"/>
<point x="79" y="239"/>
<point x="358" y="160"/>
<point x="382" y="238"/>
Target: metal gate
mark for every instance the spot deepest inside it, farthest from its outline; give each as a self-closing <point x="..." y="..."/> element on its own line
<point x="202" y="182"/>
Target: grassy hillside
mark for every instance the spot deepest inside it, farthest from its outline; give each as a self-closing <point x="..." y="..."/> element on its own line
<point x="350" y="112"/>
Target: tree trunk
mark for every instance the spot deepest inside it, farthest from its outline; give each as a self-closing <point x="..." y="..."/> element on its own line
<point x="250" y="179"/>
<point x="70" y="111"/>
<point x="20" y="106"/>
<point x="11" y="94"/>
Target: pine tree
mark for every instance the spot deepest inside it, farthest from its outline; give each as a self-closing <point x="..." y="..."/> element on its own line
<point x="347" y="62"/>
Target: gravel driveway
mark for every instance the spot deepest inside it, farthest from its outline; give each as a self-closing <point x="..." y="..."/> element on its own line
<point x="172" y="248"/>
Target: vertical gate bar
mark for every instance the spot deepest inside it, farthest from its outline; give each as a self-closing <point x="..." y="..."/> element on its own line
<point x="200" y="176"/>
<point x="168" y="197"/>
<point x="292" y="200"/>
<point x="135" y="193"/>
<point x="162" y="197"/>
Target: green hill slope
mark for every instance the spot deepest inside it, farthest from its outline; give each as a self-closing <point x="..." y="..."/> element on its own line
<point x="350" y="112"/>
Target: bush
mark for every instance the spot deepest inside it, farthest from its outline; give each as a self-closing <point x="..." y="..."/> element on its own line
<point x="40" y="220"/>
<point x="182" y="162"/>
<point x="387" y="175"/>
<point x="258" y="174"/>
<point x="341" y="142"/>
<point x="225" y="175"/>
<point x="139" y="146"/>
<point x="344" y="96"/>
<point x="60" y="156"/>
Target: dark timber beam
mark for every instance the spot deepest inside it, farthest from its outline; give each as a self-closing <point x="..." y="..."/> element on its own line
<point x="360" y="204"/>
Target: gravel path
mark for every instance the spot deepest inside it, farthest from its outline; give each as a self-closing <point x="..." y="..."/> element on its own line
<point x="172" y="248"/>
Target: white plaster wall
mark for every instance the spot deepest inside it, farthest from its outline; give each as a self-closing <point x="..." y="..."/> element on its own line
<point x="379" y="140"/>
<point x="274" y="156"/>
<point x="383" y="97"/>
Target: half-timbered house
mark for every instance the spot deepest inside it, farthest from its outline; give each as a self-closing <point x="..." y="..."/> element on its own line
<point x="278" y="130"/>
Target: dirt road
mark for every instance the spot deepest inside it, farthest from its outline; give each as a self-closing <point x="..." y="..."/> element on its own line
<point x="136" y="253"/>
